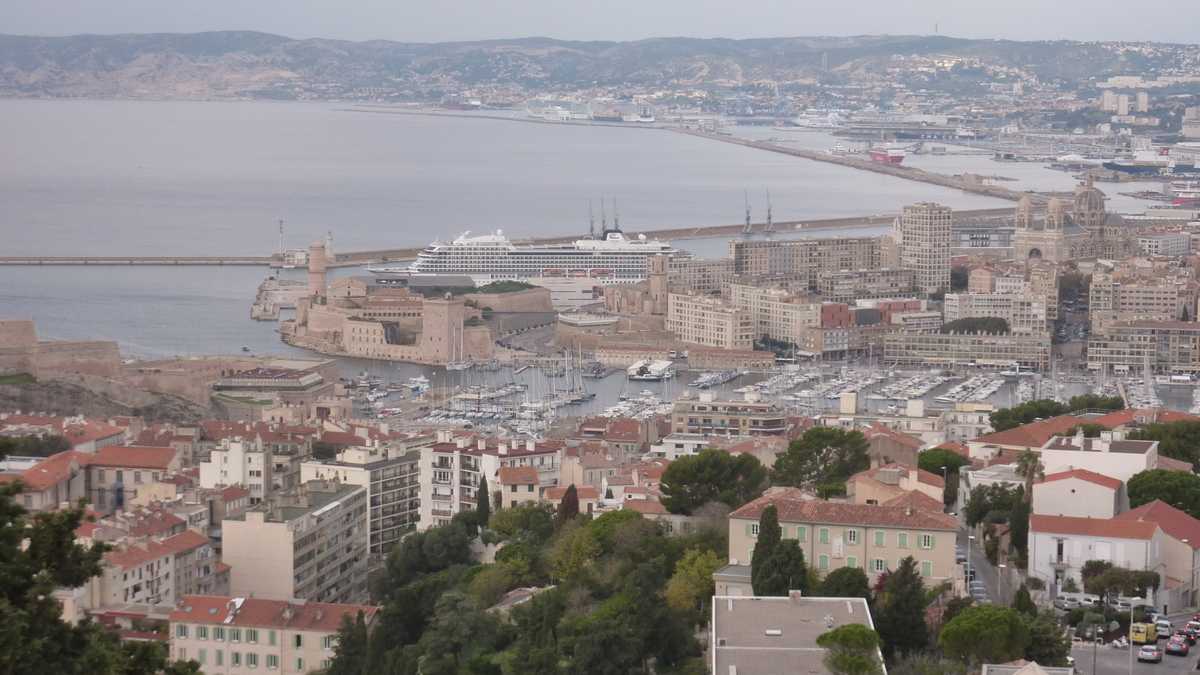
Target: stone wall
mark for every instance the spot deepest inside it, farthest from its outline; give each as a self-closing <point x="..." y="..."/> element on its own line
<point x="100" y="358"/>
<point x="529" y="300"/>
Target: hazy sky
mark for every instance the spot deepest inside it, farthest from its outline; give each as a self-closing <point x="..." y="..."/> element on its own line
<point x="438" y="20"/>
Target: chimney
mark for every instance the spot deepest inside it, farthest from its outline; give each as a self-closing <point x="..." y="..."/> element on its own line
<point x="481" y="443"/>
<point x="502" y="448"/>
<point x="1079" y="437"/>
<point x="460" y="442"/>
<point x="530" y="444"/>
<point x="444" y="436"/>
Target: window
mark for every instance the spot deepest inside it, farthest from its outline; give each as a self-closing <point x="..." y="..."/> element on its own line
<point x="271" y="638"/>
<point x="851" y="562"/>
<point x="272" y="661"/>
<point x="235" y="634"/>
<point x="219" y="634"/>
<point x="299" y="641"/>
<point x="251" y="660"/>
<point x="202" y="656"/>
<point x="823" y="562"/>
<point x="235" y="658"/>
<point x="512" y="488"/>
<point x="880" y="537"/>
<point x="327" y="641"/>
<point x="824" y="535"/>
<point x="851" y="536"/>
<point x="753" y="529"/>
<point x="181" y="630"/>
<point x="299" y="664"/>
<point x="100" y="475"/>
<point x="220" y="657"/>
<point x="137" y="476"/>
<point x="201" y="632"/>
<point x="802" y="534"/>
<point x="879" y="565"/>
<point x="251" y="635"/>
<point x="902" y="539"/>
<point x="927" y="541"/>
<point x="926" y="568"/>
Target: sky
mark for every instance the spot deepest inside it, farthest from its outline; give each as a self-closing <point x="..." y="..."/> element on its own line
<point x="444" y="20"/>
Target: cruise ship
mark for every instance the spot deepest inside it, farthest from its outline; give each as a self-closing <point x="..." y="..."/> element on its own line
<point x="572" y="271"/>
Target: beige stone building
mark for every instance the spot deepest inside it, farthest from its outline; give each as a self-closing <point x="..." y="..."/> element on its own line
<point x="1079" y="493"/>
<point x="309" y="543"/>
<point x="881" y="484"/>
<point x="805" y="258"/>
<point x="851" y="285"/>
<point x="1168" y="346"/>
<point x="1087" y="230"/>
<point x="923" y="233"/>
<point x="711" y="417"/>
<point x="518" y="485"/>
<point x="241" y="635"/>
<point x="1025" y="313"/>
<point x="1141" y="293"/>
<point x="157" y="571"/>
<point x="1032" y="352"/>
<point x="776" y="313"/>
<point x="709" y="322"/>
<point x="117" y="473"/>
<point x="834" y="535"/>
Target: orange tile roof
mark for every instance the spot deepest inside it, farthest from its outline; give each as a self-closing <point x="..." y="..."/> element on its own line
<point x="54" y="469"/>
<point x="1172" y="464"/>
<point x="957" y="448"/>
<point x="644" y="506"/>
<point x="259" y="613"/>
<point x="1034" y="434"/>
<point x="917" y="500"/>
<point x="1092" y="527"/>
<point x="877" y="429"/>
<point x="1142" y="416"/>
<point x="134" y="556"/>
<point x="923" y="476"/>
<point x="234" y="492"/>
<point x="1085" y="475"/>
<point x="793" y="508"/>
<point x="1177" y="524"/>
<point x="517" y="475"/>
<point x="555" y="494"/>
<point x="134" y="457"/>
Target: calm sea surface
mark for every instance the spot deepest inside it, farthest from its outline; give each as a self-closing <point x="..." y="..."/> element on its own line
<point x="111" y="177"/>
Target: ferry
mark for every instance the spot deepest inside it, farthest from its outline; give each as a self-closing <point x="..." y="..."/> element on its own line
<point x="887" y="155"/>
<point x="572" y="271"/>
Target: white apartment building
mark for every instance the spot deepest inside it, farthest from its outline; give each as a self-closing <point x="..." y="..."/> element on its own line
<point x="308" y="543"/>
<point x="1079" y="493"/>
<point x="391" y="477"/>
<point x="1109" y="455"/>
<point x="1170" y="244"/>
<point x="232" y="635"/>
<point x="239" y="462"/>
<point x="157" y="572"/>
<point x="1025" y="314"/>
<point x="1059" y="546"/>
<point x="709" y="322"/>
<point x="925" y="239"/>
<point x="676" y="445"/>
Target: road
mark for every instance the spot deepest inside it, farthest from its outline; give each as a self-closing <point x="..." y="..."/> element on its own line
<point x="985" y="573"/>
<point x="1110" y="661"/>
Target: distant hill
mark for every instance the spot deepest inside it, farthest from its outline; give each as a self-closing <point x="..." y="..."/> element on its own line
<point x="257" y="65"/>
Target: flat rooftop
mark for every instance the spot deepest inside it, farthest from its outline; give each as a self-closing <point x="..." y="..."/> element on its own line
<point x="768" y="636"/>
<point x="294" y="504"/>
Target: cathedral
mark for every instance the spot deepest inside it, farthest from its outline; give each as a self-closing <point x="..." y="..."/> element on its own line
<point x="1087" y="231"/>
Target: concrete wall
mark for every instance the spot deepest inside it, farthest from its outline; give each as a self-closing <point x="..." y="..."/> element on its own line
<point x="1074" y="497"/>
<point x="260" y="555"/>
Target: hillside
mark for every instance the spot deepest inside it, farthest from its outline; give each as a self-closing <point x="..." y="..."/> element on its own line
<point x="257" y="65"/>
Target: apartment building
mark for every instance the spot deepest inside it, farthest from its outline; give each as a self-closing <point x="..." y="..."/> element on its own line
<point x="708" y="416"/>
<point x="707" y="321"/>
<point x="805" y="257"/>
<point x="776" y="313"/>
<point x="239" y="462"/>
<point x="923" y="233"/>
<point x="1169" y="244"/>
<point x="1129" y="294"/>
<point x="851" y="285"/>
<point x="834" y="535"/>
<point x="156" y="571"/>
<point x="1031" y="352"/>
<point x="308" y="543"/>
<point x="391" y="477"/>
<point x="1059" y="546"/>
<point x="1110" y="454"/>
<point x="1167" y="346"/>
<point x="517" y="485"/>
<point x="1025" y="313"/>
<point x="697" y="275"/>
<point x="451" y="469"/>
<point x="232" y="635"/>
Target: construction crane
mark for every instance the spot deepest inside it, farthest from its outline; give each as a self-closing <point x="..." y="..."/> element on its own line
<point x="770" y="227"/>
<point x="748" y="229"/>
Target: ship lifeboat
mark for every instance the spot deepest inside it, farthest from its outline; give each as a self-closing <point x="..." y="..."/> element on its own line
<point x="553" y="272"/>
<point x="579" y="273"/>
<point x="601" y="273"/>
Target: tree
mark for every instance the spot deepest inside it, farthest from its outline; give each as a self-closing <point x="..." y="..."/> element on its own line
<point x="350" y="653"/>
<point x="982" y="324"/>
<point x="1096" y="402"/>
<point x="1008" y="418"/>
<point x="900" y="601"/>
<point x="947" y="463"/>
<point x="33" y="446"/>
<point x="574" y="552"/>
<point x="690" y="588"/>
<point x="483" y="503"/>
<point x="823" y="455"/>
<point x="712" y="476"/>
<point x="926" y="664"/>
<point x="426" y="552"/>
<point x="991" y="503"/>
<point x="1178" y="440"/>
<point x="852" y="649"/>
<point x="1048" y="644"/>
<point x="1023" y="603"/>
<point x="783" y="571"/>
<point x="568" y="508"/>
<point x="985" y="634"/>
<point x="846" y="582"/>
<point x="1178" y="488"/>
<point x="1029" y="467"/>
<point x="531" y="523"/>
<point x="1018" y="524"/>
<point x="769" y="536"/>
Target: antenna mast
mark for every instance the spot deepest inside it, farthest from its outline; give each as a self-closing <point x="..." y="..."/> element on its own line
<point x="281" y="240"/>
<point x="603" y="216"/>
<point x="747" y="229"/>
<point x="591" y="222"/>
<point x="770" y="224"/>
<point x="616" y="216"/>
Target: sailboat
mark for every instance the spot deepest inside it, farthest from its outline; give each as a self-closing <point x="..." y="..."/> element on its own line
<point x="461" y="363"/>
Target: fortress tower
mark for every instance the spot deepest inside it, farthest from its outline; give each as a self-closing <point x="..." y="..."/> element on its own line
<point x="316" y="269"/>
<point x="658" y="284"/>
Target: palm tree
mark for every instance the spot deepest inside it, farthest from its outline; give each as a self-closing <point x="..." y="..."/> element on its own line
<point x="1029" y="465"/>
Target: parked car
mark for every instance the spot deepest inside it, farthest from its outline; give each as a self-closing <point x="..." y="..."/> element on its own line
<point x="1178" y="645"/>
<point x="1150" y="653"/>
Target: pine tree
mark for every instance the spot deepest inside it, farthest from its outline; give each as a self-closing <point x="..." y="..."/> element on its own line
<point x="784" y="570"/>
<point x="350" y="655"/>
<point x="901" y="611"/>
<point x="769" y="535"/>
<point x="483" y="504"/>
<point x="1023" y="603"/>
<point x="568" y="508"/>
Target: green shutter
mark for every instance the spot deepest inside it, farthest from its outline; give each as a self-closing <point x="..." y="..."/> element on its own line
<point x="880" y="537"/>
<point x="802" y="534"/>
<point x="748" y="532"/>
<point x="926" y="568"/>
<point x="932" y="541"/>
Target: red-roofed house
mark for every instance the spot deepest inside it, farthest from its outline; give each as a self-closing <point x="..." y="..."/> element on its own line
<point x="589" y="497"/>
<point x="116" y="472"/>
<point x="58" y="479"/>
<point x="884" y="483"/>
<point x="1030" y="436"/>
<point x="1060" y="545"/>
<point x="517" y="485"/>
<point x="889" y="446"/>
<point x="253" y="634"/>
<point x="157" y="571"/>
<point x="1180" y="552"/>
<point x="838" y="534"/>
<point x="1080" y="493"/>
